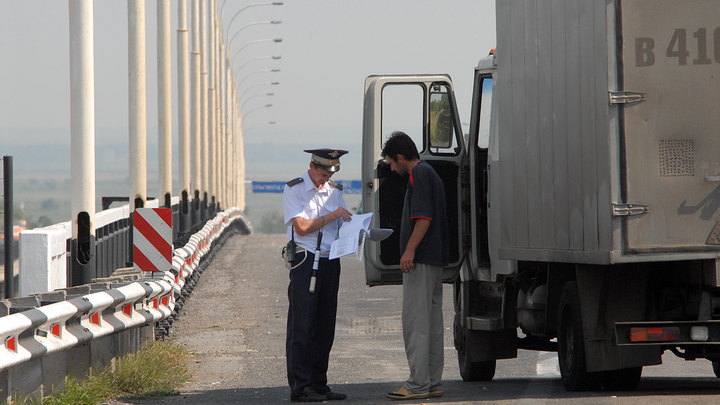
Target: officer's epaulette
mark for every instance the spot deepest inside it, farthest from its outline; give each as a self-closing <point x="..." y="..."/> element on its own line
<point x="295" y="182"/>
<point x="336" y="184"/>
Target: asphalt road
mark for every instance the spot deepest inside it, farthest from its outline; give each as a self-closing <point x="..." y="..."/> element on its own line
<point x="235" y="324"/>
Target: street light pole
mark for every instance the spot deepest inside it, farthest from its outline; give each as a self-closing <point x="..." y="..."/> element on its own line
<point x="258" y="124"/>
<point x="253" y="42"/>
<point x="184" y="103"/>
<point x="164" y="100"/>
<point x="253" y="96"/>
<point x="256" y="85"/>
<point x="82" y="166"/>
<point x="212" y="113"/>
<point x="253" y="59"/>
<point x="255" y="109"/>
<point x="258" y="71"/>
<point x="195" y="117"/>
<point x="229" y="47"/>
<point x="204" y="158"/>
<point x="275" y="3"/>
<point x="137" y="104"/>
<point x="229" y="108"/>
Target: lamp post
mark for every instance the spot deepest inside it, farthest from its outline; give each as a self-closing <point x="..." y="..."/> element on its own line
<point x="229" y="47"/>
<point x="256" y="85"/>
<point x="229" y="105"/>
<point x="253" y="59"/>
<point x="258" y="124"/>
<point x="258" y="71"/>
<point x="257" y="41"/>
<point x="255" y="109"/>
<point x="253" y="96"/>
<point x="227" y="31"/>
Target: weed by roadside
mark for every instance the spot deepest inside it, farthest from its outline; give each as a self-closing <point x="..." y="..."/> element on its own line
<point x="156" y="370"/>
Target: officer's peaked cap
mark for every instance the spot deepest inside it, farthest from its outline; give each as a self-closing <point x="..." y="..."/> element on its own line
<point x="328" y="159"/>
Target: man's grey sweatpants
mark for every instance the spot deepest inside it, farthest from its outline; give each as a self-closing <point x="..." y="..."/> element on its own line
<point x="422" y="321"/>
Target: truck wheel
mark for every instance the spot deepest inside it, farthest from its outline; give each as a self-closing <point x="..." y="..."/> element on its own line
<point x="716" y="368"/>
<point x="626" y="379"/>
<point x="475" y="370"/>
<point x="571" y="344"/>
<point x="470" y="370"/>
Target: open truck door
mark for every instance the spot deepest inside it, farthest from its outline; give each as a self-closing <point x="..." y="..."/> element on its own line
<point x="423" y="106"/>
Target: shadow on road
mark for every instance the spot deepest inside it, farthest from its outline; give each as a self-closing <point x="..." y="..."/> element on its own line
<point x="655" y="390"/>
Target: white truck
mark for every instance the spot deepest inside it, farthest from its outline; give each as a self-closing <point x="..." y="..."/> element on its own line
<point x="584" y="201"/>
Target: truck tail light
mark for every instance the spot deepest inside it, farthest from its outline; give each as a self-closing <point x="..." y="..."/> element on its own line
<point x="664" y="334"/>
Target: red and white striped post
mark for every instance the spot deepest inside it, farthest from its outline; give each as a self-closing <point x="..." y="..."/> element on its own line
<point x="152" y="239"/>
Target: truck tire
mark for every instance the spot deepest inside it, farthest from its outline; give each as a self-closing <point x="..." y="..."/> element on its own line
<point x="571" y="344"/>
<point x="626" y="379"/>
<point x="470" y="371"/>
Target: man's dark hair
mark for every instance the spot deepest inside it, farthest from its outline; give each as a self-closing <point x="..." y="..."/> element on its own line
<point x="399" y="143"/>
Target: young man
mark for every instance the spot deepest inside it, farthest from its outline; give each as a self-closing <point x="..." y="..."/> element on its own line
<point x="425" y="251"/>
<point x="312" y="205"/>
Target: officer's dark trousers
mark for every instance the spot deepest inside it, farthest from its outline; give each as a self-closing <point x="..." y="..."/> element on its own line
<point x="311" y="324"/>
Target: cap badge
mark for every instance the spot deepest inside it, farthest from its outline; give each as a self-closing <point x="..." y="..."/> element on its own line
<point x="334" y="154"/>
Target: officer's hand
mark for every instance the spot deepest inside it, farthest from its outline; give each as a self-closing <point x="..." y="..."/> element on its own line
<point x="345" y="214"/>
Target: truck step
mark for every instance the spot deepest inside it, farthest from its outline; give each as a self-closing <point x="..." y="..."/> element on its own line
<point x="488" y="323"/>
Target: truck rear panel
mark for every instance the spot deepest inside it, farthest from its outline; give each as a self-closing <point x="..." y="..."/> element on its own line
<point x="609" y="143"/>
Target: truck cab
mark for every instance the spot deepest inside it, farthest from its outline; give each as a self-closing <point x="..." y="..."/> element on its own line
<point x="464" y="161"/>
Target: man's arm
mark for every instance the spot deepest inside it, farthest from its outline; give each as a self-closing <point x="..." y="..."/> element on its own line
<point x="408" y="258"/>
<point x="304" y="226"/>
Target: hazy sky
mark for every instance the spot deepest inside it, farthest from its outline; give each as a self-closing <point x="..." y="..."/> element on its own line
<point x="328" y="48"/>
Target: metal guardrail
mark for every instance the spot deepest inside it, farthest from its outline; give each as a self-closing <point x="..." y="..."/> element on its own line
<point x="47" y="253"/>
<point x="59" y="326"/>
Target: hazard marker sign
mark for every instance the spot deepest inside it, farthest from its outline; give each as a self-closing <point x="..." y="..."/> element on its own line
<point x="152" y="239"/>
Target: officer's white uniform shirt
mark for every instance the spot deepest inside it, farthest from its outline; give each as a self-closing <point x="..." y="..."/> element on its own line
<point x="306" y="201"/>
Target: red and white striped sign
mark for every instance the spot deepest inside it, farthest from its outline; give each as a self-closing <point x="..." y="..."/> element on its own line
<point x="152" y="239"/>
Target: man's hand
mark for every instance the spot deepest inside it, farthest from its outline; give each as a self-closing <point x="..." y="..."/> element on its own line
<point x="407" y="260"/>
<point x="345" y="214"/>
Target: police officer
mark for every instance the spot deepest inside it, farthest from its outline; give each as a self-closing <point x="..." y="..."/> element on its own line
<point x="314" y="210"/>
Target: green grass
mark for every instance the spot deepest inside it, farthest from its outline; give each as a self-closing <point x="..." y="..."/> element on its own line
<point x="156" y="370"/>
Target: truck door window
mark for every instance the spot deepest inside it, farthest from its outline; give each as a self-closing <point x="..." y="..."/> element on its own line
<point x="442" y="131"/>
<point x="483" y="138"/>
<point x="402" y="110"/>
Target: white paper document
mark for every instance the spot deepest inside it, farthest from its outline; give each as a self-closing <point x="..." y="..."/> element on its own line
<point x="352" y="236"/>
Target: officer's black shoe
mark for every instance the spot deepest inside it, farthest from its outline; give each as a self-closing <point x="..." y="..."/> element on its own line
<point x="334" y="396"/>
<point x="309" y="395"/>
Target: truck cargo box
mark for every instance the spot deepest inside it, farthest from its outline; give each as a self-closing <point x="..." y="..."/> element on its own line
<point x="609" y="132"/>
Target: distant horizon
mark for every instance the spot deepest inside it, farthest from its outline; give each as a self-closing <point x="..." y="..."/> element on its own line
<point x="47" y="150"/>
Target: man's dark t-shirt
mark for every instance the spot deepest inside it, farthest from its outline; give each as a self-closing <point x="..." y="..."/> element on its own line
<point x="425" y="198"/>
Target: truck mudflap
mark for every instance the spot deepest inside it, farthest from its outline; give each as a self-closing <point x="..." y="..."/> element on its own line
<point x="668" y="333"/>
